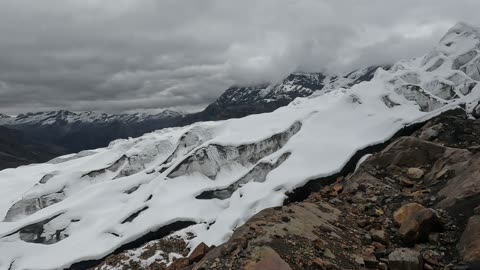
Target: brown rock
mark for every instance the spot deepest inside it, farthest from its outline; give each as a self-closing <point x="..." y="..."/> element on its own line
<point x="270" y="260"/>
<point x="416" y="222"/>
<point x="427" y="267"/>
<point x="379" y="236"/>
<point x="358" y="259"/>
<point x="362" y="223"/>
<point x="337" y="187"/>
<point x="179" y="263"/>
<point x="370" y="261"/>
<point x="415" y="173"/>
<point x="431" y="257"/>
<point x="469" y="245"/>
<point x="409" y="231"/>
<point x="318" y="264"/>
<point x="406" y="212"/>
<point x="405" y="259"/>
<point x="379" y="247"/>
<point x="382" y="266"/>
<point x="328" y="253"/>
<point x="407" y="182"/>
<point x="198" y="253"/>
<point x="319" y="244"/>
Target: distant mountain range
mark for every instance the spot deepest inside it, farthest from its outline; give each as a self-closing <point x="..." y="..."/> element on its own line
<point x="238" y="101"/>
<point x="74" y="132"/>
<point x="62" y="132"/>
<point x="15" y="150"/>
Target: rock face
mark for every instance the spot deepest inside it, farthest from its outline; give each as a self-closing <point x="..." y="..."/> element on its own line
<point x="405" y="259"/>
<point x="415" y="173"/>
<point x="198" y="253"/>
<point x="469" y="245"/>
<point x="416" y="222"/>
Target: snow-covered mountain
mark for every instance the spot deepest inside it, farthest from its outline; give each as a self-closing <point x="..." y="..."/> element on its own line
<point x="77" y="131"/>
<point x="68" y="117"/>
<point x="335" y="81"/>
<point x="211" y="177"/>
<point x="74" y="132"/>
<point x="240" y="101"/>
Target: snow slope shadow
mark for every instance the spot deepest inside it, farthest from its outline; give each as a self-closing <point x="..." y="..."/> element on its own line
<point x="314" y="185"/>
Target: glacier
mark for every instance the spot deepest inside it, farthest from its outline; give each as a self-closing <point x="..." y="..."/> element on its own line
<point x="216" y="175"/>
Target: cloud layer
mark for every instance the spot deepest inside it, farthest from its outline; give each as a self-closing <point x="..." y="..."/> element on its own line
<point x="122" y="55"/>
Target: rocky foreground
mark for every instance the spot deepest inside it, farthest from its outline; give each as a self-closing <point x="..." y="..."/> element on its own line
<point x="414" y="205"/>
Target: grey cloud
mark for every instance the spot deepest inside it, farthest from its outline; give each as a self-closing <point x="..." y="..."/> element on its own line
<point x="123" y="55"/>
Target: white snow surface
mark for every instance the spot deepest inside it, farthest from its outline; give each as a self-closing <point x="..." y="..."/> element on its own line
<point x="85" y="200"/>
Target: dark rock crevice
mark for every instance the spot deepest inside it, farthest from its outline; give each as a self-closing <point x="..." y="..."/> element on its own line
<point x="210" y="159"/>
<point x="134" y="215"/>
<point x="256" y="174"/>
<point x="34" y="233"/>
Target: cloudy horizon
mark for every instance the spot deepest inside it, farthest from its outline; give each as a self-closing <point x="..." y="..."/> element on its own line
<point x="129" y="55"/>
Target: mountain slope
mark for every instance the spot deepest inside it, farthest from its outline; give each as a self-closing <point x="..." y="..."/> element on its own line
<point x="86" y="130"/>
<point x="351" y="223"/>
<point x="16" y="151"/>
<point x="213" y="176"/>
<point x="75" y="132"/>
<point x="242" y="101"/>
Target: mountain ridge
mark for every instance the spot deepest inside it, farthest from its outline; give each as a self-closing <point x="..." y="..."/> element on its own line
<point x="78" y="131"/>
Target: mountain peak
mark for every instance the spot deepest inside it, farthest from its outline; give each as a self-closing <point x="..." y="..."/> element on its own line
<point x="462" y="37"/>
<point x="51" y="117"/>
<point x="460" y="27"/>
<point x="4" y="116"/>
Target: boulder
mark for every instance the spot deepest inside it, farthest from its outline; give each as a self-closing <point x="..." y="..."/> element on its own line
<point x="379" y="236"/>
<point x="198" y="253"/>
<point x="406" y="212"/>
<point x="415" y="173"/>
<point x="469" y="244"/>
<point x="416" y="222"/>
<point x="405" y="259"/>
<point x="178" y="264"/>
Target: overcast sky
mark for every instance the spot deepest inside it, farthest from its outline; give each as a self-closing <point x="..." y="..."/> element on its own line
<point x="124" y="55"/>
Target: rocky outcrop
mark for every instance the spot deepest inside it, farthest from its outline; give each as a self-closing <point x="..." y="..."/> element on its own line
<point x="416" y="222"/>
<point x="405" y="259"/>
<point x="469" y="245"/>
